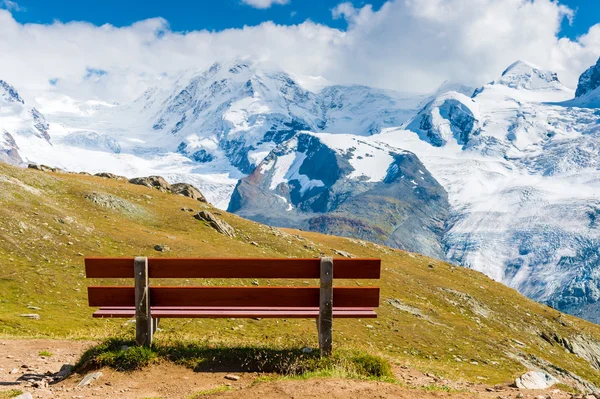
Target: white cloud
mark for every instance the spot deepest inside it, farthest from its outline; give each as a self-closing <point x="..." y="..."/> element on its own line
<point x="11" y="5"/>
<point x="409" y="45"/>
<point x="264" y="3"/>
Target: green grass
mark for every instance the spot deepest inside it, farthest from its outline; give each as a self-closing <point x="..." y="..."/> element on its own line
<point x="123" y="355"/>
<point x="45" y="353"/>
<point x="10" y="393"/>
<point x="427" y="319"/>
<point x="212" y="391"/>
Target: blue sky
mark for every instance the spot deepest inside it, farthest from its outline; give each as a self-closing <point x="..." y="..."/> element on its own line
<point x="215" y="15"/>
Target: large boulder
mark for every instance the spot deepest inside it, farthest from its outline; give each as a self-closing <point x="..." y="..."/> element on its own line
<point x="187" y="190"/>
<point x="535" y="380"/>
<point x="156" y="182"/>
<point x="112" y="176"/>
<point x="216" y="223"/>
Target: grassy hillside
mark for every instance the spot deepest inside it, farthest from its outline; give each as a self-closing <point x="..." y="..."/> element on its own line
<point x="446" y="320"/>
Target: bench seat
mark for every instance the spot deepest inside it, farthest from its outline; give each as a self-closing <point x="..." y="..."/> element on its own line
<point x="162" y="312"/>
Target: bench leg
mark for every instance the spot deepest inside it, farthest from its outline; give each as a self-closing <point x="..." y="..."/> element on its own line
<point x="325" y="320"/>
<point x="154" y="325"/>
<point x="143" y="319"/>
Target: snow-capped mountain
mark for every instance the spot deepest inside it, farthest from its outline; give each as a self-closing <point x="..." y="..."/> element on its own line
<point x="503" y="179"/>
<point x="588" y="88"/>
<point x="521" y="170"/>
<point x="350" y="186"/>
<point x="20" y="125"/>
<point x="211" y="127"/>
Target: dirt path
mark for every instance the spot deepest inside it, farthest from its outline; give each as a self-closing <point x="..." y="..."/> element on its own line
<point x="22" y="360"/>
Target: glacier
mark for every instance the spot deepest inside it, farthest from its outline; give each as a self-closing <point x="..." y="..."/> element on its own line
<point x="502" y="179"/>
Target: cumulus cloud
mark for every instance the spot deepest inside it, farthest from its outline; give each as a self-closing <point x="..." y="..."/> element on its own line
<point x="11" y="5"/>
<point x="407" y="45"/>
<point x="264" y="3"/>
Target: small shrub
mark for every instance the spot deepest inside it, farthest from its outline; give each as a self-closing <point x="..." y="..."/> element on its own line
<point x="124" y="355"/>
<point x="45" y="353"/>
<point x="371" y="366"/>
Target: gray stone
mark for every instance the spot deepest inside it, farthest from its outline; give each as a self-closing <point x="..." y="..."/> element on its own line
<point x="155" y="182"/>
<point x="187" y="190"/>
<point x="112" y="176"/>
<point x="25" y="395"/>
<point x="33" y="316"/>
<point x="216" y="223"/>
<point x="232" y="377"/>
<point x="88" y="379"/>
<point x="64" y="372"/>
<point x="344" y="253"/>
<point x="535" y="380"/>
<point x="161" y="248"/>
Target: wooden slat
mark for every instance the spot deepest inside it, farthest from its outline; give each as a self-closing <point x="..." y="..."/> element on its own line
<point x="235" y="296"/>
<point x="200" y="312"/>
<point x="356" y="268"/>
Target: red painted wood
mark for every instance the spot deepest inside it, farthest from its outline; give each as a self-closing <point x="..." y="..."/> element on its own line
<point x="235" y="296"/>
<point x="233" y="268"/>
<point x="231" y="313"/>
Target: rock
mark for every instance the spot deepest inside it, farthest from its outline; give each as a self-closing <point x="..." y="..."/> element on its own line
<point x="187" y="209"/>
<point x="307" y="350"/>
<point x="25" y="395"/>
<point x="535" y="380"/>
<point x="156" y="182"/>
<point x="109" y="201"/>
<point x="33" y="307"/>
<point x="589" y="80"/>
<point x="161" y="248"/>
<point x="64" y="372"/>
<point x="187" y="190"/>
<point x="344" y="254"/>
<point x="107" y="175"/>
<point x="13" y="371"/>
<point x="216" y="223"/>
<point x="84" y="173"/>
<point x="43" y="168"/>
<point x="254" y="282"/>
<point x="232" y="377"/>
<point x="33" y="316"/>
<point x="88" y="379"/>
<point x="520" y="395"/>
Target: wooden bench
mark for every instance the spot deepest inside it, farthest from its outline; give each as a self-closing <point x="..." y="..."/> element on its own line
<point x="149" y="304"/>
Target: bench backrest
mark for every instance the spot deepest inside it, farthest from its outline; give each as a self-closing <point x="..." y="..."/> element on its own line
<point x="264" y="268"/>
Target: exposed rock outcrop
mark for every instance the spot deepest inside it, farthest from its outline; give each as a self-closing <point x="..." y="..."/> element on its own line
<point x="156" y="182"/>
<point x="589" y="80"/>
<point x="187" y="190"/>
<point x="216" y="223"/>
<point x="107" y="175"/>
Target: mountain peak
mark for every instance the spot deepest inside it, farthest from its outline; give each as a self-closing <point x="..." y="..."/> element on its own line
<point x="589" y="80"/>
<point x="525" y="75"/>
<point x="9" y="93"/>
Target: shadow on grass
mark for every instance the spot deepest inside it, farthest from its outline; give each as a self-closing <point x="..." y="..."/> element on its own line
<point x="124" y="355"/>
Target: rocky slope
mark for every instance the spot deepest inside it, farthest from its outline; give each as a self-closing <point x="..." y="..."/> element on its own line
<point x="347" y="186"/>
<point x="21" y="126"/>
